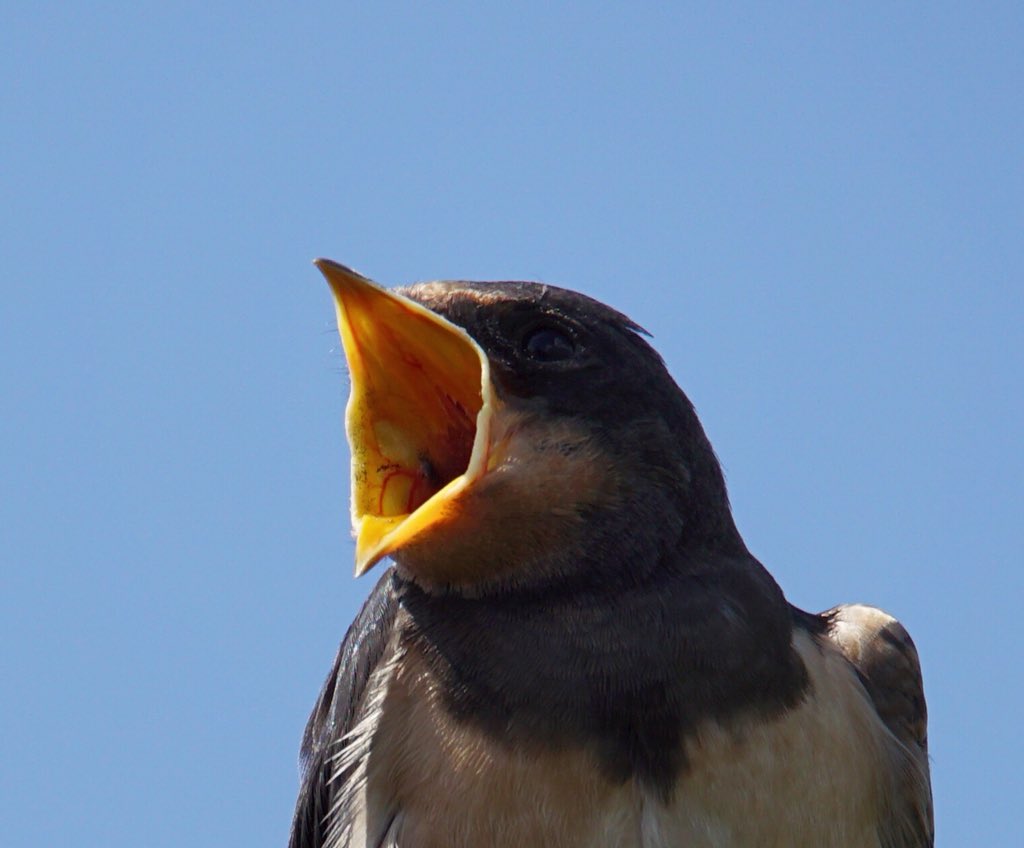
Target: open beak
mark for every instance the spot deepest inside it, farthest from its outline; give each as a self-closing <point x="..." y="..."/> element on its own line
<point x="418" y="418"/>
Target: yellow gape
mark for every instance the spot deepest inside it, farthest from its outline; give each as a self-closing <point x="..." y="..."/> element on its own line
<point x="419" y="432"/>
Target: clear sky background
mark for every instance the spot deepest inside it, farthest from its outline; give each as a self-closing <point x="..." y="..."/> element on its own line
<point x="817" y="211"/>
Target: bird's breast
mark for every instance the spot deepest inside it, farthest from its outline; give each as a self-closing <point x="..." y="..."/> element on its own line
<point x="804" y="777"/>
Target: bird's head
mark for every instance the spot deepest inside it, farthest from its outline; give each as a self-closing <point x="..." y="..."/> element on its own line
<point x="513" y="434"/>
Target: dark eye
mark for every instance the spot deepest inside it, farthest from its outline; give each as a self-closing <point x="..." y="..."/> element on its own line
<point x="548" y="344"/>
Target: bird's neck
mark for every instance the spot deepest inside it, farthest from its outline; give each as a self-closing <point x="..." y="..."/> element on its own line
<point x="628" y="671"/>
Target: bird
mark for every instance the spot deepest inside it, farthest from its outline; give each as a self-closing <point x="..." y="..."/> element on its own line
<point x="572" y="645"/>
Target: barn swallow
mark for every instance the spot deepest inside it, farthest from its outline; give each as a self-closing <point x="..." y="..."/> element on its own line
<point x="573" y="647"/>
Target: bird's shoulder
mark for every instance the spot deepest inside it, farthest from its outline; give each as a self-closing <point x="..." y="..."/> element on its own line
<point x="886" y="663"/>
<point x="885" y="657"/>
<point x="337" y="708"/>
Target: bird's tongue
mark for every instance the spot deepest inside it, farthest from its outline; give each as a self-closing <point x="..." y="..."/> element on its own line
<point x="418" y="413"/>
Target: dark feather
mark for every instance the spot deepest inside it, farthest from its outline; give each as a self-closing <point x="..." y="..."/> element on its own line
<point x="337" y="707"/>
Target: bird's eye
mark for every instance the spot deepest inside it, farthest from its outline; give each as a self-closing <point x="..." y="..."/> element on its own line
<point x="548" y="344"/>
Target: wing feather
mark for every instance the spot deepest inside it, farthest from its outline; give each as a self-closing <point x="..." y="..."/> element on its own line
<point x="336" y="710"/>
<point x="884" y="656"/>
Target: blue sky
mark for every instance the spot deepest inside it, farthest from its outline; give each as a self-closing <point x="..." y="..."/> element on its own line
<point x="818" y="211"/>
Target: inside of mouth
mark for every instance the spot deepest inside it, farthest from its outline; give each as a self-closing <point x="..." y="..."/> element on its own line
<point x="412" y="416"/>
<point x="406" y="463"/>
